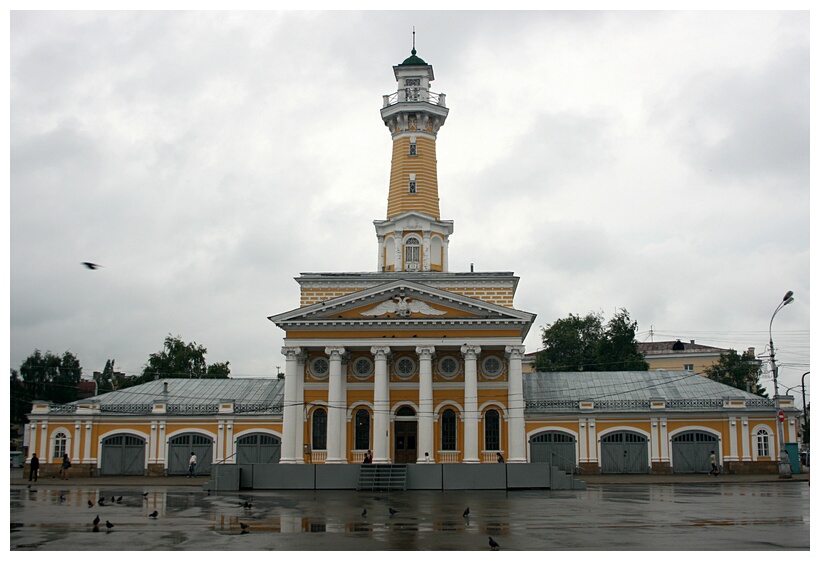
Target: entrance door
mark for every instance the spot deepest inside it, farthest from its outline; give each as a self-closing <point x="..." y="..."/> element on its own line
<point x="624" y="452"/>
<point x="405" y="448"/>
<point x="691" y="451"/>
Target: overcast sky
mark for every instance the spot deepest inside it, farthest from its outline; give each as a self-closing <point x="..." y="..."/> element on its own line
<point x="653" y="161"/>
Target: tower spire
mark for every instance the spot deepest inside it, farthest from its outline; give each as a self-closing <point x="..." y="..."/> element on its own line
<point x="412" y="52"/>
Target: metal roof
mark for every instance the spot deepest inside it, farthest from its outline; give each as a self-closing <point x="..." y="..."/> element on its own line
<point x="551" y="391"/>
<point x="192" y="396"/>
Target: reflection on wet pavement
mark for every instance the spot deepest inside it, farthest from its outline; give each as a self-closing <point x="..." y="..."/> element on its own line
<point x="607" y="517"/>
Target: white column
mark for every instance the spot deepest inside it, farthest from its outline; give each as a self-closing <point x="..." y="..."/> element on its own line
<point x="593" y="441"/>
<point x="425" y="443"/>
<point x="336" y="406"/>
<point x="152" y="443"/>
<point x="470" y="353"/>
<point x="221" y="439"/>
<point x="290" y="407"/>
<point x="87" y="450"/>
<point x="231" y="450"/>
<point x="380" y="260"/>
<point x="746" y="440"/>
<point x="301" y="419"/>
<point x="445" y="265"/>
<point x="345" y="413"/>
<point x="44" y="457"/>
<point x="654" y="441"/>
<point x="516" y="432"/>
<point x="583" y="453"/>
<point x="161" y="444"/>
<point x="399" y="248"/>
<point x="426" y="249"/>
<point x="32" y="441"/>
<point x="664" y="439"/>
<point x="75" y="453"/>
<point x="381" y="407"/>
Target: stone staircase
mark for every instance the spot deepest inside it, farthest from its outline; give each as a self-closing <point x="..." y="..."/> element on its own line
<point x="382" y="477"/>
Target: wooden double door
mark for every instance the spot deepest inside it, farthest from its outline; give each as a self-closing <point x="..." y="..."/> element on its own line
<point x="405" y="442"/>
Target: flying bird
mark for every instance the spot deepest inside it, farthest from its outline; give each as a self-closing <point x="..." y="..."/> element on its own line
<point x="92" y="266"/>
<point x="96" y="520"/>
<point x="153" y="515"/>
<point x="364" y="512"/>
<point x="108" y="524"/>
<point x="392" y="511"/>
<point x="494" y="544"/>
<point x="466" y="512"/>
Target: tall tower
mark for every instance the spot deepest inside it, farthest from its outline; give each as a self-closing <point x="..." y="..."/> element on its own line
<point x="413" y="238"/>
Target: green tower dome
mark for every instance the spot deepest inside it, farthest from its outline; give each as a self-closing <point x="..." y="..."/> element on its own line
<point x="413" y="60"/>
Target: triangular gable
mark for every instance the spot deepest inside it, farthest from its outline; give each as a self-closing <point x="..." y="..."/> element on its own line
<point x="402" y="299"/>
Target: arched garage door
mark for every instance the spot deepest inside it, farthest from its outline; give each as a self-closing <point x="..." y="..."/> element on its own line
<point x="179" y="453"/>
<point x="691" y="450"/>
<point x="556" y="448"/>
<point x="258" y="449"/>
<point x="624" y="452"/>
<point x="123" y="454"/>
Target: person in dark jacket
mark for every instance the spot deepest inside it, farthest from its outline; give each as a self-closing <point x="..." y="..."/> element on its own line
<point x="35" y="468"/>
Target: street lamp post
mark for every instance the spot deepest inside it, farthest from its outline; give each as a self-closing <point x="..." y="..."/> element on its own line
<point x="805" y="412"/>
<point x="783" y="464"/>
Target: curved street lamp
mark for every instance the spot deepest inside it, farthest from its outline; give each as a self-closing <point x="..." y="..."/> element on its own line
<point x="783" y="464"/>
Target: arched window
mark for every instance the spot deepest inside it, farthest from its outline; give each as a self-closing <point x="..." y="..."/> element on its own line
<point x="362" y="436"/>
<point x="763" y="443"/>
<point x="448" y="430"/>
<point x="320" y="429"/>
<point x="412" y="254"/>
<point x="492" y="430"/>
<point x="60" y="444"/>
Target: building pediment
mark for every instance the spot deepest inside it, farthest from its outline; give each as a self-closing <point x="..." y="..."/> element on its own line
<point x="402" y="301"/>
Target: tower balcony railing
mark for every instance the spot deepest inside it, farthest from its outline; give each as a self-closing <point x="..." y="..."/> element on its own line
<point x="414" y="95"/>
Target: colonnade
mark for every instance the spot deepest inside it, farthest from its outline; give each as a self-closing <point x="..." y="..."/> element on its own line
<point x="294" y="407"/>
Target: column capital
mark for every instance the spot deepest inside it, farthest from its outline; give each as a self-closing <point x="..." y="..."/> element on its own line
<point x="515" y="351"/>
<point x="380" y="352"/>
<point x="292" y="353"/>
<point x="335" y="352"/>
<point x="470" y="351"/>
<point x="426" y="351"/>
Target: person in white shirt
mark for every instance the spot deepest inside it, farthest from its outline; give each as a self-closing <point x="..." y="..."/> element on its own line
<point x="192" y="465"/>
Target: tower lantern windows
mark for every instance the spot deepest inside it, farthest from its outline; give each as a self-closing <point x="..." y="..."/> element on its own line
<point x="413" y="151"/>
<point x="412" y="186"/>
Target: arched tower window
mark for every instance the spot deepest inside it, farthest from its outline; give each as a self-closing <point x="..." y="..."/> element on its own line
<point x="319" y="430"/>
<point x="492" y="430"/>
<point x="448" y="430"/>
<point x="412" y="254"/>
<point x="362" y="430"/>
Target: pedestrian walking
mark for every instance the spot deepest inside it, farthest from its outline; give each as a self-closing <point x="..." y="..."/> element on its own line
<point x="34" y="468"/>
<point x="192" y="465"/>
<point x="368" y="457"/>
<point x="499" y="458"/>
<point x="713" y="460"/>
<point x="64" y="467"/>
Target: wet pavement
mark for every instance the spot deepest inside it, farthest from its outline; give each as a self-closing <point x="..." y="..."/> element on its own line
<point x="54" y="515"/>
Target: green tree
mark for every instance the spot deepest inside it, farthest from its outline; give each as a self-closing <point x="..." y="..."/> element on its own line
<point x="50" y="377"/>
<point x="739" y="371"/>
<point x="20" y="399"/>
<point x="179" y="359"/>
<point x="581" y="344"/>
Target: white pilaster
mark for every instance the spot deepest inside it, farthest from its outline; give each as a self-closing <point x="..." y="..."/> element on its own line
<point x="75" y="452"/>
<point x="515" y="405"/>
<point x="380" y="261"/>
<point x="593" y="441"/>
<point x="654" y="441"/>
<point x="398" y="238"/>
<point x="664" y="439"/>
<point x="153" y="442"/>
<point x="745" y="439"/>
<point x="426" y="250"/>
<point x="583" y="452"/>
<point x="229" y="441"/>
<point x="43" y="442"/>
<point x="336" y="403"/>
<point x="87" y="443"/>
<point x="291" y="421"/>
<point x="381" y="407"/>
<point x="733" y="456"/>
<point x="301" y="414"/>
<point x="425" y="442"/>
<point x="470" y="353"/>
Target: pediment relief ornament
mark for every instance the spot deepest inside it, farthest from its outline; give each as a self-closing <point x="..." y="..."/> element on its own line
<point x="403" y="306"/>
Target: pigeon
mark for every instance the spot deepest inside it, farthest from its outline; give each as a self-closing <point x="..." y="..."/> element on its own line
<point x="92" y="266"/>
<point x="466" y="512"/>
<point x="90" y="503"/>
<point x="392" y="511"/>
<point x="247" y="505"/>
<point x="119" y="500"/>
<point x="101" y="502"/>
<point x="96" y="520"/>
<point x="108" y="524"/>
<point x="494" y="544"/>
<point x="364" y="512"/>
<point x="153" y="515"/>
<point x="145" y="495"/>
<point x="243" y="526"/>
<point x="62" y="498"/>
<point x="113" y="500"/>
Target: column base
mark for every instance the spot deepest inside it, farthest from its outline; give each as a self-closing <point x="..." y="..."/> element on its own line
<point x="517" y="461"/>
<point x="336" y="461"/>
<point x="470" y="461"/>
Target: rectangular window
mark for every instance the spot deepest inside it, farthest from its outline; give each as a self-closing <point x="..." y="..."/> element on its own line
<point x="689" y="367"/>
<point x="412" y="187"/>
<point x="412" y="81"/>
<point x="412" y="148"/>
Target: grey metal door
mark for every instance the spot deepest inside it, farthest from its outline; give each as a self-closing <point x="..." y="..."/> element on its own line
<point x="624" y="452"/>
<point x="556" y="448"/>
<point x="691" y="450"/>
<point x="258" y="449"/>
<point x="122" y="454"/>
<point x="179" y="453"/>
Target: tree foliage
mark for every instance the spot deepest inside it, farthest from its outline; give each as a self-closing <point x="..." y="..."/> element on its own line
<point x="51" y="377"/>
<point x="579" y="344"/>
<point x="179" y="359"/>
<point x="739" y="371"/>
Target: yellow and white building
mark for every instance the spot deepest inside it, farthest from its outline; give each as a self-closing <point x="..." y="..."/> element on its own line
<point x="418" y="364"/>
